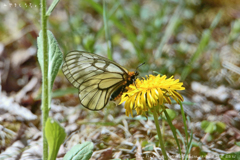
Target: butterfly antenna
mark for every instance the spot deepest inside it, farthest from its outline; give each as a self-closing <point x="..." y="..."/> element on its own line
<point x="140" y="65"/>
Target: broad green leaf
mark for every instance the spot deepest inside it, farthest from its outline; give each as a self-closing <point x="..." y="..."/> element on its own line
<point x="231" y="156"/>
<point x="220" y="126"/>
<point x="55" y="56"/>
<point x="52" y="6"/>
<point x="208" y="127"/>
<point x="55" y="135"/>
<point x="80" y="152"/>
<point x="144" y="143"/>
<point x="204" y="124"/>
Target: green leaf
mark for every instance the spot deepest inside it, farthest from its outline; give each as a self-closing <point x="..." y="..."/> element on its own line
<point x="238" y="144"/>
<point x="144" y="143"/>
<point x="107" y="34"/>
<point x="173" y="130"/>
<point x="171" y="27"/>
<point x="40" y="50"/>
<point x="208" y="127"/>
<point x="80" y="152"/>
<point x="220" y="127"/>
<point x="55" y="135"/>
<point x="149" y="147"/>
<point x="231" y="156"/>
<point x="216" y="20"/>
<point x="172" y="114"/>
<point x="206" y="36"/>
<point x="55" y="56"/>
<point x="235" y="30"/>
<point x="52" y="6"/>
<point x="204" y="124"/>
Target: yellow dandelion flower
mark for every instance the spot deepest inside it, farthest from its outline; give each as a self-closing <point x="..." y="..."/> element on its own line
<point x="150" y="92"/>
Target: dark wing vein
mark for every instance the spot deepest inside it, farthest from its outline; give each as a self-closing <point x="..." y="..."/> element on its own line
<point x="96" y="77"/>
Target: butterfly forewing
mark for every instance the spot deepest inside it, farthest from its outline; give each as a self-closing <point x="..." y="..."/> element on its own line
<point x="95" y="77"/>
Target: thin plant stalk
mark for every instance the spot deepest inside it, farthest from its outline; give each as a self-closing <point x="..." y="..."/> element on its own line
<point x="45" y="88"/>
<point x="184" y="121"/>
<point x="163" y="128"/>
<point x="107" y="36"/>
<point x="173" y="130"/>
<point x="159" y="133"/>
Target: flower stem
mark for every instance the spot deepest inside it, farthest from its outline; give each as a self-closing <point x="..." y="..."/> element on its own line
<point x="159" y="133"/>
<point x="45" y="88"/>
<point x="163" y="128"/>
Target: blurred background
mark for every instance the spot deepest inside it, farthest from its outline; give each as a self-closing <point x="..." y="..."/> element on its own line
<point x="196" y="41"/>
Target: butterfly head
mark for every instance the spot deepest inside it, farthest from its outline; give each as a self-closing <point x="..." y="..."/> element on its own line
<point x="132" y="76"/>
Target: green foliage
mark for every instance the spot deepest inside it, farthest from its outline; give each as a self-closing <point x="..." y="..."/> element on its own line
<point x="50" y="59"/>
<point x="216" y="20"/>
<point x="238" y="144"/>
<point x="89" y="42"/>
<point x="51" y="8"/>
<point x="206" y="36"/>
<point x="107" y="35"/>
<point x="40" y="50"/>
<point x="235" y="31"/>
<point x="173" y="130"/>
<point x="231" y="156"/>
<point x="55" y="135"/>
<point x="174" y="21"/>
<point x="144" y="143"/>
<point x="80" y="152"/>
<point x="149" y="147"/>
<point x="211" y="127"/>
<point x="188" y="143"/>
<point x="55" y="56"/>
<point x="171" y="113"/>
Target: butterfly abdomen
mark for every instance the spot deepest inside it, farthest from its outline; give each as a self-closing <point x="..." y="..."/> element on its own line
<point x="118" y="93"/>
<point x="129" y="80"/>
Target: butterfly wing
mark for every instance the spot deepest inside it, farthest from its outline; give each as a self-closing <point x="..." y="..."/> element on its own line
<point x="95" y="77"/>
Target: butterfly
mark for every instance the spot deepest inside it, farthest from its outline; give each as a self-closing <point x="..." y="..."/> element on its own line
<point x="97" y="79"/>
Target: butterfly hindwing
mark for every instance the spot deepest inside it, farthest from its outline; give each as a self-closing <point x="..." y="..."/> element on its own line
<point x="95" y="77"/>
